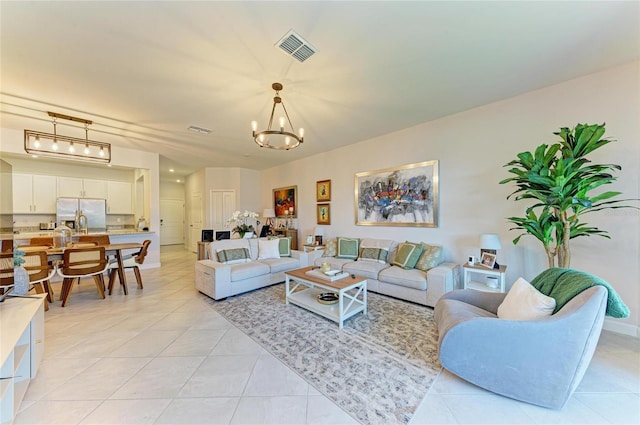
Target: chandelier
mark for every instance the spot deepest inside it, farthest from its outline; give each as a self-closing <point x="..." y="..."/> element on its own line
<point x="54" y="145"/>
<point x="279" y="139"/>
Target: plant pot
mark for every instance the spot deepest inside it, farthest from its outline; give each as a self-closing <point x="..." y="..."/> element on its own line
<point x="20" y="281"/>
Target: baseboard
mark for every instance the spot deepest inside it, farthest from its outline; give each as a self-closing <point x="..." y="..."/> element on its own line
<point x="614" y="325"/>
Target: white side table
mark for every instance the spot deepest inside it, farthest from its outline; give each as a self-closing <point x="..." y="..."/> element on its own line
<point x="311" y="248"/>
<point x="480" y="273"/>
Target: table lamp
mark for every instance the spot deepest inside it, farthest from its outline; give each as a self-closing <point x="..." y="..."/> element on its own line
<point x="269" y="214"/>
<point x="318" y="233"/>
<point x="490" y="243"/>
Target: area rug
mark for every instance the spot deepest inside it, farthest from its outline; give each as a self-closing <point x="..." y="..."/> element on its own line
<point x="378" y="368"/>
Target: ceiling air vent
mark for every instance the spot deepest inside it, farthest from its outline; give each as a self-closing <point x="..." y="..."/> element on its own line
<point x="296" y="46"/>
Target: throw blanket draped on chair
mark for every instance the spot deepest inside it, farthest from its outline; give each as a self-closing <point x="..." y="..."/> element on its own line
<point x="563" y="284"/>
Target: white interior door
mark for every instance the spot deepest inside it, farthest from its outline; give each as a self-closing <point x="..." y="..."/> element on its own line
<point x="223" y="204"/>
<point x="171" y="222"/>
<point x="195" y="220"/>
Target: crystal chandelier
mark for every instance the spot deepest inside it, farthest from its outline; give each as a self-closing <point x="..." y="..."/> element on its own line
<point x="280" y="139"/>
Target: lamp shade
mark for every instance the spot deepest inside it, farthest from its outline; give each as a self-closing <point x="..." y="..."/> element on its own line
<point x="490" y="241"/>
<point x="268" y="213"/>
<point x="318" y="231"/>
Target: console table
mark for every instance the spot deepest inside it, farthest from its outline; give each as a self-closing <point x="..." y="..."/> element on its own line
<point x="21" y="350"/>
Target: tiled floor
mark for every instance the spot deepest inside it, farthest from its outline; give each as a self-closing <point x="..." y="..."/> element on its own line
<point x="162" y="355"/>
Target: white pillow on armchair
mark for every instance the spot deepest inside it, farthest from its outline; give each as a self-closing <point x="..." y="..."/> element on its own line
<point x="524" y="302"/>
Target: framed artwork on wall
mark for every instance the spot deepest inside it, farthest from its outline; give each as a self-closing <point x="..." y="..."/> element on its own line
<point x="406" y="195"/>
<point x="324" y="213"/>
<point x="323" y="190"/>
<point x="285" y="201"/>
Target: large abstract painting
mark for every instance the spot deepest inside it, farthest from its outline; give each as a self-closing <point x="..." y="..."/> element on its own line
<point x="398" y="196"/>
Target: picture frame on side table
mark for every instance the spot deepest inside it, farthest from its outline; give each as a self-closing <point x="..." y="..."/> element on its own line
<point x="285" y="201"/>
<point x="405" y="195"/>
<point x="488" y="260"/>
<point x="324" y="213"/>
<point x="323" y="190"/>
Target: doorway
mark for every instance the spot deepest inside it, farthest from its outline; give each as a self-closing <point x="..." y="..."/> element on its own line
<point x="171" y="221"/>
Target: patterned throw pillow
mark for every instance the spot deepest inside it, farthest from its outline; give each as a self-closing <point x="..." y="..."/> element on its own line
<point x="377" y="255"/>
<point x="430" y="258"/>
<point x="408" y="255"/>
<point x="233" y="256"/>
<point x="348" y="248"/>
<point x="285" y="247"/>
<point x="331" y="248"/>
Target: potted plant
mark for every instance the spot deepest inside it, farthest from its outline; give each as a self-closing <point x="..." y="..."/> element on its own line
<point x="20" y="275"/>
<point x="561" y="181"/>
<point x="240" y="219"/>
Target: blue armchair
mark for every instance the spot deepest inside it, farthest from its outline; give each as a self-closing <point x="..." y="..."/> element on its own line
<point x="536" y="361"/>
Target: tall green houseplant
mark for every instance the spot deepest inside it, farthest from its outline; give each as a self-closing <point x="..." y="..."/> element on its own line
<point x="559" y="179"/>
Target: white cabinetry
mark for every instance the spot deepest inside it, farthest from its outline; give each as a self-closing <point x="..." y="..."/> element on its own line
<point x="21" y="351"/>
<point x="119" y="198"/>
<point x="73" y="187"/>
<point x="34" y="194"/>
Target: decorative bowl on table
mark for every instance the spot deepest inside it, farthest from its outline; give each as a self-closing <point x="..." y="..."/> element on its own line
<point x="327" y="298"/>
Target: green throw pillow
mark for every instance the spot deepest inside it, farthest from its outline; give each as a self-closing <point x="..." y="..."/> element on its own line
<point x="348" y="248"/>
<point x="285" y="247"/>
<point x="233" y="255"/>
<point x="430" y="258"/>
<point x="408" y="255"/>
<point x="331" y="248"/>
<point x="377" y="255"/>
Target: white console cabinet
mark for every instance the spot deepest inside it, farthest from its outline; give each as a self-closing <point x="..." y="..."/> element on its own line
<point x="21" y="350"/>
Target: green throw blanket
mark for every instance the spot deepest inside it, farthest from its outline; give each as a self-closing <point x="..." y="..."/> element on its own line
<point x="564" y="284"/>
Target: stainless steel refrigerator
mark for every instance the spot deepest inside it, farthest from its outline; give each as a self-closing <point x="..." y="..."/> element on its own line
<point x="94" y="209"/>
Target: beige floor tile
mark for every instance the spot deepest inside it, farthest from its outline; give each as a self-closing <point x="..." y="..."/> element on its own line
<point x="220" y="376"/>
<point x="195" y="411"/>
<point x="123" y="412"/>
<point x="271" y="410"/>
<point x="197" y="342"/>
<point x="433" y="410"/>
<point x="270" y="377"/>
<point x="56" y="412"/>
<point x="322" y="411"/>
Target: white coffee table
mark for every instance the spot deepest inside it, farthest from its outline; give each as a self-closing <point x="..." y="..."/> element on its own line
<point x="351" y="290"/>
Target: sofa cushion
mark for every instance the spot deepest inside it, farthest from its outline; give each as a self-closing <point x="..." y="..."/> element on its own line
<point x="228" y="244"/>
<point x="377" y="255"/>
<point x="408" y="255"/>
<point x="285" y="247"/>
<point x="431" y="256"/>
<point x="368" y="269"/>
<point x="248" y="270"/>
<point x="335" y="262"/>
<point x="233" y="255"/>
<point x="268" y="248"/>
<point x="331" y="248"/>
<point x="348" y="248"/>
<point x="282" y="264"/>
<point x="524" y="302"/>
<point x="376" y="243"/>
<point x="414" y="278"/>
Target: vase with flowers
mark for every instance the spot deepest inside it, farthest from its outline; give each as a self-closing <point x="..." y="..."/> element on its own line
<point x="242" y="222"/>
<point x="20" y="274"/>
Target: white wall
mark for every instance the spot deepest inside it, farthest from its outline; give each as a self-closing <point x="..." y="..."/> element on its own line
<point x="472" y="148"/>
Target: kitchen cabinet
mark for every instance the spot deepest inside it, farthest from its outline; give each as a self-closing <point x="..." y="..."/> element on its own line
<point x="119" y="197"/>
<point x="74" y="187"/>
<point x="21" y="351"/>
<point x="34" y="194"/>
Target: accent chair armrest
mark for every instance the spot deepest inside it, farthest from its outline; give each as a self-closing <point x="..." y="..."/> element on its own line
<point x="489" y="301"/>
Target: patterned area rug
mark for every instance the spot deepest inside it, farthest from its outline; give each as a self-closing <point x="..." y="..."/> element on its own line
<point x="378" y="368"/>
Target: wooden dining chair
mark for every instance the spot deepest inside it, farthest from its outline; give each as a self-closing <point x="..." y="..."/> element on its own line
<point x="98" y="239"/>
<point x="82" y="262"/>
<point x="42" y="241"/>
<point x="6" y="271"/>
<point x="40" y="273"/>
<point x="131" y="261"/>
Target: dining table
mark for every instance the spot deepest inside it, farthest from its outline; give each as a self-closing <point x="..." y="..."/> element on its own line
<point x="112" y="249"/>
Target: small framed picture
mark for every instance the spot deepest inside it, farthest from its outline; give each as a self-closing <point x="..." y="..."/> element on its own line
<point x="323" y="190"/>
<point x="488" y="260"/>
<point x="324" y="213"/>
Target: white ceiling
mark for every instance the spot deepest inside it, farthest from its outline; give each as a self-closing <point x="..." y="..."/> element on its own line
<point x="145" y="71"/>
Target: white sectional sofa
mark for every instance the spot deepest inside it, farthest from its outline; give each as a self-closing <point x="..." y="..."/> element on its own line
<point x="220" y="280"/>
<point x="412" y="284"/>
